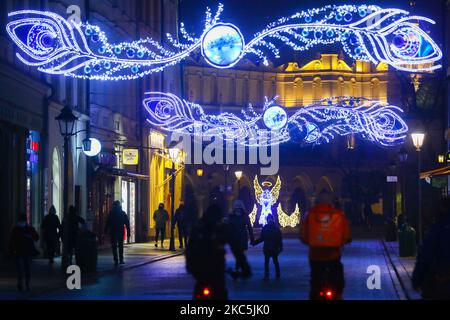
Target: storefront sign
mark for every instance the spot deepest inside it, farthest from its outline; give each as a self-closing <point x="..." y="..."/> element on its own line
<point x="392" y="179"/>
<point x="130" y="157"/>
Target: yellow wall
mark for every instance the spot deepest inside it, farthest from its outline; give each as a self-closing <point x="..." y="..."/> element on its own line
<point x="159" y="184"/>
<point x="295" y="85"/>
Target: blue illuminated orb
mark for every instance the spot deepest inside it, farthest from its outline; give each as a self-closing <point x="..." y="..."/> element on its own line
<point x="275" y="118"/>
<point x="223" y="45"/>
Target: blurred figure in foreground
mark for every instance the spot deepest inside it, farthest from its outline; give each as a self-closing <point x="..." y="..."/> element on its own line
<point x="21" y="247"/>
<point x="205" y="255"/>
<point x="273" y="245"/>
<point x="241" y="227"/>
<point x="115" y="226"/>
<point x="326" y="230"/>
<point x="432" y="271"/>
<point x="51" y="228"/>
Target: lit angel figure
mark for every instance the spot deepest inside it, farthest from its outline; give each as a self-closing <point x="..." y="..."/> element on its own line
<point x="267" y="197"/>
<point x="52" y="44"/>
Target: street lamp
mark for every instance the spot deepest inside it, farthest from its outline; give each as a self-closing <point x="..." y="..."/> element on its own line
<point x="66" y="121"/>
<point x="238" y="175"/>
<point x="174" y="152"/>
<point x="418" y="138"/>
<point x="199" y="172"/>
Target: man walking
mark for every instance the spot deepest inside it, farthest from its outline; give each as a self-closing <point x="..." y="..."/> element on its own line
<point x="51" y="228"/>
<point x="160" y="216"/>
<point x="117" y="221"/>
<point x="179" y="220"/>
<point x="326" y="230"/>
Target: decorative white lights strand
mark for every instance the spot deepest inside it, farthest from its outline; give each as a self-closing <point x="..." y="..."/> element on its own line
<point x="54" y="45"/>
<point x="311" y="125"/>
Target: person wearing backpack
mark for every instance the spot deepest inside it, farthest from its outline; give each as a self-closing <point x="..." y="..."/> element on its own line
<point x="205" y="255"/>
<point x="273" y="245"/>
<point x="21" y="247"/>
<point x="325" y="229"/>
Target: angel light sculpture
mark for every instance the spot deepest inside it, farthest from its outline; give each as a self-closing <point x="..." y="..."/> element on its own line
<point x="267" y="197"/>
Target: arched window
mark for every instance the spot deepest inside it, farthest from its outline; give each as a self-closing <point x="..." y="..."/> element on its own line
<point x="56" y="182"/>
<point x="375" y="89"/>
<point x="340" y="89"/>
<point x="353" y="87"/>
<point x="317" y="89"/>
<point x="298" y="91"/>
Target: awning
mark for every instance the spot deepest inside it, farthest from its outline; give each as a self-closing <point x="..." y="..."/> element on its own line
<point x="435" y="173"/>
<point x="121" y="173"/>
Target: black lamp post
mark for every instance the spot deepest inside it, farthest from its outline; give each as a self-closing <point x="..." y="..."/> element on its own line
<point x="173" y="153"/>
<point x="66" y="121"/>
<point x="403" y="157"/>
<point x="393" y="168"/>
<point x="226" y="168"/>
<point x="418" y="138"/>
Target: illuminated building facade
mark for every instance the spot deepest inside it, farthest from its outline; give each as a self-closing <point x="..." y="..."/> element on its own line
<point x="295" y="84"/>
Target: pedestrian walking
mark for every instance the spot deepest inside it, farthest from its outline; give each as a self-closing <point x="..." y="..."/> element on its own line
<point x="241" y="227"/>
<point x="205" y="255"/>
<point x="22" y="248"/>
<point x="115" y="226"/>
<point x="431" y="274"/>
<point x="73" y="228"/>
<point x="180" y="220"/>
<point x="160" y="216"/>
<point x="325" y="229"/>
<point x="51" y="229"/>
<point x="273" y="245"/>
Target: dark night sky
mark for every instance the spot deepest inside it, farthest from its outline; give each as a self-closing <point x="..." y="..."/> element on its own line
<point x="253" y="15"/>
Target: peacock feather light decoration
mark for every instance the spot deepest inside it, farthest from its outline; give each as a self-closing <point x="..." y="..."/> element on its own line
<point x="55" y="45"/>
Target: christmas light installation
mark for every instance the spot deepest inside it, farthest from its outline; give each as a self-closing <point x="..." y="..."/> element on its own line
<point x="288" y="221"/>
<point x="267" y="197"/>
<point x="318" y="123"/>
<point x="53" y="45"/>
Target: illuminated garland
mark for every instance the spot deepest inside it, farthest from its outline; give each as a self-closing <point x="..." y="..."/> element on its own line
<point x="311" y="125"/>
<point x="267" y="198"/>
<point x="53" y="45"/>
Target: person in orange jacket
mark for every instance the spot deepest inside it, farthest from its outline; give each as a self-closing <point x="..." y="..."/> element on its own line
<point x="325" y="229"/>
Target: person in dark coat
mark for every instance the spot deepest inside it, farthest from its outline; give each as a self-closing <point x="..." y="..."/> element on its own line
<point x="240" y="225"/>
<point x="161" y="217"/>
<point x="432" y="270"/>
<point x="273" y="245"/>
<point x="205" y="255"/>
<point x="51" y="228"/>
<point x="180" y="220"/>
<point x="115" y="224"/>
<point x="21" y="247"/>
<point x="74" y="221"/>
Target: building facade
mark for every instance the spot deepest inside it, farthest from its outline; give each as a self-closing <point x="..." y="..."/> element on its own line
<point x="32" y="175"/>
